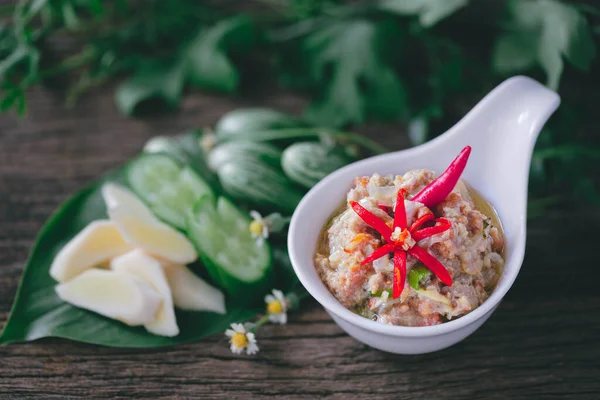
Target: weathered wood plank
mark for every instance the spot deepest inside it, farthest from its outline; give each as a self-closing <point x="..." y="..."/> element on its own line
<point x="541" y="343"/>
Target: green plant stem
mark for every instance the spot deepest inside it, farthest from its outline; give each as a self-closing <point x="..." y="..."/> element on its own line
<point x="313" y="132"/>
<point x="69" y="63"/>
<point x="361" y="141"/>
<point x="262" y="321"/>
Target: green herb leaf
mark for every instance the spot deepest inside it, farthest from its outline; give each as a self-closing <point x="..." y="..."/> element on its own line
<point x="515" y="52"/>
<point x="416" y="274"/>
<point x="430" y="12"/>
<point x="21" y="53"/>
<point x="354" y="83"/>
<point x="543" y="32"/>
<point x="208" y="56"/>
<point x="38" y="312"/>
<point x="380" y="292"/>
<point x="153" y="80"/>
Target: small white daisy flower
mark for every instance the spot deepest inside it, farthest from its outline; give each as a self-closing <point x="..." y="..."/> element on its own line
<point x="240" y="339"/>
<point x="277" y="307"/>
<point x="259" y="227"/>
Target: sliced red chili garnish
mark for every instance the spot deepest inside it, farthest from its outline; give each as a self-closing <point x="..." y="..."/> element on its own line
<point x="380" y="252"/>
<point x="383" y="208"/>
<point x="432" y="263"/>
<point x="399" y="278"/>
<point x="420" y="221"/>
<point x="372" y="220"/>
<point x="424" y="233"/>
<point x="400" y="211"/>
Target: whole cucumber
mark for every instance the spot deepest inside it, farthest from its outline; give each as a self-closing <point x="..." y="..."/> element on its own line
<point x="238" y="124"/>
<point x="231" y="151"/>
<point x="260" y="184"/>
<point x="306" y="163"/>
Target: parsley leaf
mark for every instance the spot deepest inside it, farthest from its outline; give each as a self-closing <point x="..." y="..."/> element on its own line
<point x="205" y="63"/>
<point x="152" y="81"/>
<point x="430" y="12"/>
<point x="209" y="63"/>
<point x="543" y="33"/>
<point x="350" y="65"/>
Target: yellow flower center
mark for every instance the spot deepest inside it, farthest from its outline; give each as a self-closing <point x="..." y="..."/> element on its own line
<point x="274" y="307"/>
<point x="256" y="227"/>
<point x="239" y="340"/>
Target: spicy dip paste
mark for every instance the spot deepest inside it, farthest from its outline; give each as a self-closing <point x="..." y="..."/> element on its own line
<point x="470" y="250"/>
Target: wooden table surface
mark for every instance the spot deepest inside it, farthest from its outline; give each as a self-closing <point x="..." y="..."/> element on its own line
<point x="542" y="342"/>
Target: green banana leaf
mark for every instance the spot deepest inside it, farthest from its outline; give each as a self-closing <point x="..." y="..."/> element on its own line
<point x="38" y="312"/>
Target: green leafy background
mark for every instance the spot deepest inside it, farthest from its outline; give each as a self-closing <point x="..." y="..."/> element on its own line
<point x="421" y="63"/>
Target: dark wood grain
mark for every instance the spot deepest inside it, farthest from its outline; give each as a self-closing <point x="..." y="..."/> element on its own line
<point x="541" y="342"/>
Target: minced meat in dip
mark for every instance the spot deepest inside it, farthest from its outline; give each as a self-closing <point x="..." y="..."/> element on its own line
<point x="471" y="251"/>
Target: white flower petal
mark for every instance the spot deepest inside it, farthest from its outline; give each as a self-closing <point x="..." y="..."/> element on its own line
<point x="278" y="295"/>
<point x="256" y="216"/>
<point x="251" y="337"/>
<point x="235" y="349"/>
<point x="252" y="349"/>
<point x="238" y="328"/>
<point x="269" y="298"/>
<point x="265" y="231"/>
<point x="281" y="298"/>
<point x="229" y="333"/>
<point x="279" y="318"/>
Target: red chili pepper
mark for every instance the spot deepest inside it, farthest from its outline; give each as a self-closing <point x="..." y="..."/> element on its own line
<point x="398" y="246"/>
<point x="434" y="230"/>
<point x="440" y="188"/>
<point x="383" y="208"/>
<point x="399" y="279"/>
<point x="372" y="220"/>
<point x="432" y="263"/>
<point x="380" y="252"/>
<point x="400" y="211"/>
<point x="420" y="221"/>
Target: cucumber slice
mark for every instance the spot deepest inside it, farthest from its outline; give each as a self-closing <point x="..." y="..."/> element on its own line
<point x="229" y="252"/>
<point x="168" y="188"/>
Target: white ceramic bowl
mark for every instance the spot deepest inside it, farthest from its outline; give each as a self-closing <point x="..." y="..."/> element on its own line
<point x="502" y="130"/>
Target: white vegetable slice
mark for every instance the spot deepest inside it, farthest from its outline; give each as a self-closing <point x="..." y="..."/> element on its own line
<point x="142" y="229"/>
<point x="153" y="236"/>
<point x="97" y="243"/>
<point x="192" y="293"/>
<point x="434" y="295"/>
<point x="143" y="266"/>
<point x="112" y="294"/>
<point x="116" y="195"/>
<point x="461" y="188"/>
